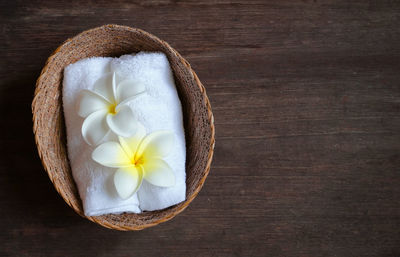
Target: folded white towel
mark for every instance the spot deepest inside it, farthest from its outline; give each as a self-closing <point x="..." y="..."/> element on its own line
<point x="158" y="109"/>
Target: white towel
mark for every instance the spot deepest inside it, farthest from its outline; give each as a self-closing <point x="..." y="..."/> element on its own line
<point x="159" y="108"/>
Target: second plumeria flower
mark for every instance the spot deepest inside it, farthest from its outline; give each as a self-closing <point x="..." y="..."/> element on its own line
<point x="137" y="158"/>
<point x="105" y="108"/>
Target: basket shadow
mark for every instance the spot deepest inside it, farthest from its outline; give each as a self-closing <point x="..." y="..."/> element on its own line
<point x="24" y="179"/>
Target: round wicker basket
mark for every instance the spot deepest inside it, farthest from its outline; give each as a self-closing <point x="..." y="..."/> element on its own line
<point x="49" y="128"/>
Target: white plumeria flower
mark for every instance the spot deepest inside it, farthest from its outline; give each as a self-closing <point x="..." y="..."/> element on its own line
<point x="137" y="158"/>
<point x="105" y="108"/>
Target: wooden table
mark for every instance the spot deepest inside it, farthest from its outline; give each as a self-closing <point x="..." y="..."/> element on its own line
<point x="306" y="99"/>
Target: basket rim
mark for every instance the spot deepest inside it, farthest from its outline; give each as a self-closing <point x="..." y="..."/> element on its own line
<point x="78" y="208"/>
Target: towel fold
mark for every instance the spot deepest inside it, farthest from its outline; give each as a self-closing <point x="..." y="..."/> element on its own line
<point x="158" y="109"/>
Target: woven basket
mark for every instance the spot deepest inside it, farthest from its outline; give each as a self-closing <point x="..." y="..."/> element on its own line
<point x="49" y="128"/>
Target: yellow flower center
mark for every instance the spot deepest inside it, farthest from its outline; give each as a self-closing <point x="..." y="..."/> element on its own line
<point x="137" y="161"/>
<point x="111" y="109"/>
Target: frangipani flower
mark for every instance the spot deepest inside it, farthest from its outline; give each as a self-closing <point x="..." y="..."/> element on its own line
<point x="105" y="108"/>
<point x="137" y="158"/>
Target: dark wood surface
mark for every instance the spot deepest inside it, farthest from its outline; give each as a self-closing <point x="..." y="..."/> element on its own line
<point x="306" y="99"/>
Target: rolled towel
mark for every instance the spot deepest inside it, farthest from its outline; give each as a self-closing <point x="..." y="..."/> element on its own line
<point x="159" y="108"/>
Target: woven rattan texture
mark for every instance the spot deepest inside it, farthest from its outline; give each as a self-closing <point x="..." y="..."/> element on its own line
<point x="49" y="128"/>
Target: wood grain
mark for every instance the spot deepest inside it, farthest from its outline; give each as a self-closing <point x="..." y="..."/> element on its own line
<point x="306" y="99"/>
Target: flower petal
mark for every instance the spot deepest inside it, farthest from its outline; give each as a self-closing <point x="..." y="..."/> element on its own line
<point x="158" y="173"/>
<point x="128" y="89"/>
<point x="105" y="86"/>
<point x="130" y="144"/>
<point x="111" y="154"/>
<point x="123" y="123"/>
<point x="114" y="85"/>
<point x="94" y="127"/>
<point x="156" y="144"/>
<point x="89" y="102"/>
<point x="127" y="181"/>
